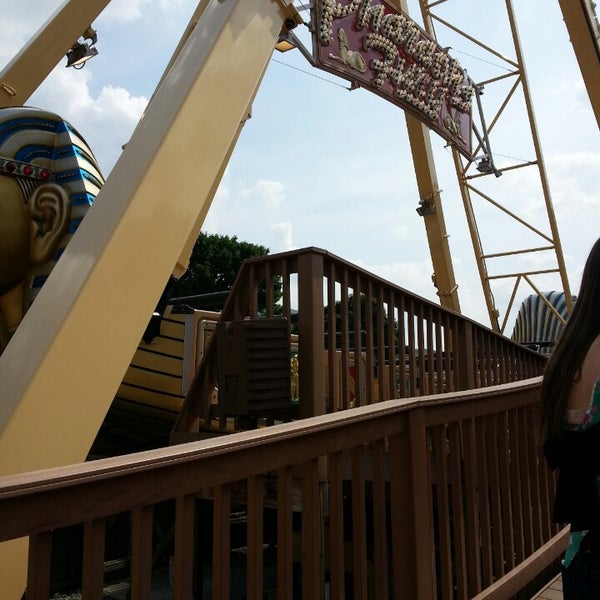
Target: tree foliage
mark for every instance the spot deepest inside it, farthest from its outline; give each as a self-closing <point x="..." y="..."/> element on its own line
<point x="214" y="264"/>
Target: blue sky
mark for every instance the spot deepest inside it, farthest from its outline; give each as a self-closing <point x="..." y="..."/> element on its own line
<point x="319" y="165"/>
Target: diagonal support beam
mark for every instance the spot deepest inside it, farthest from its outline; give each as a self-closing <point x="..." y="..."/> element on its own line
<point x="28" y="69"/>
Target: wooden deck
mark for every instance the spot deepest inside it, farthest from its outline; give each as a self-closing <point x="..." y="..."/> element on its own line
<point x="552" y="591"/>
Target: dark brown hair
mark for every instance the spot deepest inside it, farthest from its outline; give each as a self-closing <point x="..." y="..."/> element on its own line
<point x="581" y="329"/>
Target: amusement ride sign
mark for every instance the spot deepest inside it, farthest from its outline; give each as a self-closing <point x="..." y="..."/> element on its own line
<point x="374" y="45"/>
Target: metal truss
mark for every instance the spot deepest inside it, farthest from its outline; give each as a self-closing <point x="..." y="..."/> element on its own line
<point x="523" y="247"/>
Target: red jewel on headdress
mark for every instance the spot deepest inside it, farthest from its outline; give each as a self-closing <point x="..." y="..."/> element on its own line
<point x="11" y="167"/>
<point x="44" y="174"/>
<point x="27" y="170"/>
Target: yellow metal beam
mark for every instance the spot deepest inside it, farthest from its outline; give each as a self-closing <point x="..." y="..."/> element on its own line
<point x="582" y="25"/>
<point x="435" y="224"/>
<point x="63" y="366"/>
<point x="429" y="192"/>
<point x="26" y="71"/>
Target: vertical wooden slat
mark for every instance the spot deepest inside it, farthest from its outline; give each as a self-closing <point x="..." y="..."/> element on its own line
<point x="413" y="572"/>
<point x="543" y="474"/>
<point x="253" y="291"/>
<point x="38" y="566"/>
<point x="92" y="583"/>
<point x="391" y="342"/>
<point x="458" y="510"/>
<point x="516" y="479"/>
<point x="286" y="291"/>
<point x="221" y="571"/>
<point x="526" y="476"/>
<point x="335" y="401"/>
<point x="336" y="528"/>
<point x="508" y="532"/>
<point x="381" y="351"/>
<point x="359" y="526"/>
<point x="401" y="387"/>
<point x="442" y="505"/>
<point x="429" y="347"/>
<point x="536" y="498"/>
<point x="141" y="552"/>
<point x="369" y="351"/>
<point x="465" y="353"/>
<point x="423" y="386"/>
<point x="269" y="289"/>
<point x="412" y="369"/>
<point x="254" y="555"/>
<point x="183" y="566"/>
<point x="473" y="492"/>
<point x="359" y="399"/>
<point x="380" y="528"/>
<point x="310" y="334"/>
<point x="345" y="340"/>
<point x="484" y="502"/>
<point x="440" y="357"/>
<point x="495" y="497"/>
<point x="285" y="539"/>
<point x="311" y="532"/>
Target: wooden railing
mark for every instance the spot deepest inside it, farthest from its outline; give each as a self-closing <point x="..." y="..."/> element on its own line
<point x="361" y="339"/>
<point x="438" y="497"/>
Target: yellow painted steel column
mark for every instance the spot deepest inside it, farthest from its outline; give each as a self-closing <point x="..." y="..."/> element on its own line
<point x="435" y="225"/>
<point x="26" y="71"/>
<point x="429" y="192"/>
<point x="62" y="368"/>
<point x="582" y="25"/>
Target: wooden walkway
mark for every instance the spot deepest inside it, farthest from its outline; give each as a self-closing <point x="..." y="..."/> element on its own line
<point x="552" y="591"/>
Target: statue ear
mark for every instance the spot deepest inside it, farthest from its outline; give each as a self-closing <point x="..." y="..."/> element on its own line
<point x="50" y="209"/>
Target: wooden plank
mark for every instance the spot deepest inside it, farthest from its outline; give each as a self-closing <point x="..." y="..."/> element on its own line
<point x="221" y="543"/>
<point x="380" y="543"/>
<point x="141" y="552"/>
<point x="254" y="556"/>
<point x="336" y="527"/>
<point x="93" y="559"/>
<point x="311" y="532"/>
<point x="359" y="525"/>
<point x="514" y="581"/>
<point x="285" y="581"/>
<point x="38" y="570"/>
<point x="183" y="567"/>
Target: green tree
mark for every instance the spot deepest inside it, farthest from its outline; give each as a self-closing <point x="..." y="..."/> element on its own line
<point x="214" y="264"/>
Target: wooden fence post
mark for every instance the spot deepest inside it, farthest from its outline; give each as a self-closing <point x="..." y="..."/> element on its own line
<point x="311" y="326"/>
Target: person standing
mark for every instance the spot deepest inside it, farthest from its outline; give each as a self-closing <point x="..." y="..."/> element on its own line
<point x="570" y="415"/>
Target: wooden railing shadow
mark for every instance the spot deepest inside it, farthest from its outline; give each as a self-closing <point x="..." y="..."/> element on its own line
<point x="439" y="497"/>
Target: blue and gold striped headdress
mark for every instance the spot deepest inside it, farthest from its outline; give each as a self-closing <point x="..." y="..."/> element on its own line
<point x="37" y="146"/>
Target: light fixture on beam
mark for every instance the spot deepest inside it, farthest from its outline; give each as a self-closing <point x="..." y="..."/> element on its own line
<point x="284" y="44"/>
<point x="425" y="208"/>
<point x="81" y="52"/>
<point x="288" y="40"/>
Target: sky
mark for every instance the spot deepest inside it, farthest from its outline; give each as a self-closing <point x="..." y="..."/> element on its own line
<point x="321" y="165"/>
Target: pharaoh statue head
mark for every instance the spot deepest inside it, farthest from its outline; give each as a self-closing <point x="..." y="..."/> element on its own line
<point x="48" y="180"/>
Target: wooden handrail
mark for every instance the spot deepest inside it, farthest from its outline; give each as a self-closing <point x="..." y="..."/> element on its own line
<point x="453" y="483"/>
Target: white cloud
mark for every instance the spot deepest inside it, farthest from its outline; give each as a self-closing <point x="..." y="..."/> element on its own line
<point x="123" y="11"/>
<point x="105" y="121"/>
<point x="269" y="193"/>
<point x="283" y="232"/>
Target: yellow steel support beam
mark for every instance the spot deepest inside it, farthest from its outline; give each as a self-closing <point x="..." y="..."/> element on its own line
<point x="435" y="225"/>
<point x="65" y="362"/>
<point x="582" y="25"/>
<point x="22" y="76"/>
